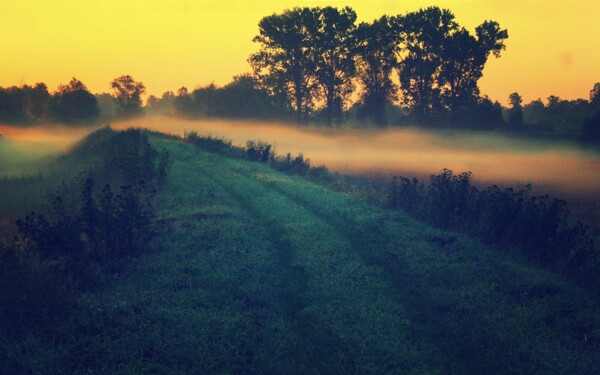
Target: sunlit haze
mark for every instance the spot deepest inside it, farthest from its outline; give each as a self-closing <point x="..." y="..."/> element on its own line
<point x="552" y="47"/>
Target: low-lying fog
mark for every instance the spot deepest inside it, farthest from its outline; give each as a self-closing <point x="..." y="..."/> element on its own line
<point x="492" y="157"/>
<point x="561" y="168"/>
<point x="23" y="149"/>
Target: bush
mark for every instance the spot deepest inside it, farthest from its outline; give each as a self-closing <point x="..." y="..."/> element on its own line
<point x="539" y="225"/>
<point x="84" y="226"/>
<point x="214" y="144"/>
<point x="258" y="151"/>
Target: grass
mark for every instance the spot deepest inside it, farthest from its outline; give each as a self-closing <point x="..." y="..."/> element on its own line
<point x="261" y="272"/>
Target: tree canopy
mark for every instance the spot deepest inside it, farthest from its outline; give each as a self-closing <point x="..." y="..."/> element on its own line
<point x="315" y="57"/>
<point x="128" y="94"/>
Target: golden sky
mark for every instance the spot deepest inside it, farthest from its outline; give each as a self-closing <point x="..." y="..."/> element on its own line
<point x="553" y="46"/>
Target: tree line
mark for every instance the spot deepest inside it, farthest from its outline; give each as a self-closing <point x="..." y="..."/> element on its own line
<point x="319" y="65"/>
<point x="72" y="103"/>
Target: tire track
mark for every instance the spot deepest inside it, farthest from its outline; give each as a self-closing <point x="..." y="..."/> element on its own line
<point x="316" y="348"/>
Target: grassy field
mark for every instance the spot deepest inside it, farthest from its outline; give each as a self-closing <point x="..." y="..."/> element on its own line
<point x="260" y="272"/>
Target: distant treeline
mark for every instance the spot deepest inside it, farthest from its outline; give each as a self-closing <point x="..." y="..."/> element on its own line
<point x="319" y="65"/>
<point x="71" y="104"/>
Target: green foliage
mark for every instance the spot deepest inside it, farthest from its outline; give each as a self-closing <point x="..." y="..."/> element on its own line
<point x="259" y="272"/>
<point x="214" y="144"/>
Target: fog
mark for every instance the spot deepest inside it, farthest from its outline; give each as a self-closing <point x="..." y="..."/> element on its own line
<point x="492" y="157"/>
<point x="24" y="150"/>
<point x="563" y="169"/>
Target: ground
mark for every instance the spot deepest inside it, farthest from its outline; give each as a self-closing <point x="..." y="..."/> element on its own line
<point x="260" y="272"/>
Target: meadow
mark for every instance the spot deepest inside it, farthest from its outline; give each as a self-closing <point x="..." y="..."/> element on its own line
<point x="257" y="271"/>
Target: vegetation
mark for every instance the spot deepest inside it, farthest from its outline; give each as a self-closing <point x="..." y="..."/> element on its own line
<point x="540" y="226"/>
<point x="316" y="64"/>
<point x="102" y="214"/>
<point x="267" y="273"/>
<point x="128" y="95"/>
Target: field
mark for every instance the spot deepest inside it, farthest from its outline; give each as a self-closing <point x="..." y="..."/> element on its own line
<point x="261" y="272"/>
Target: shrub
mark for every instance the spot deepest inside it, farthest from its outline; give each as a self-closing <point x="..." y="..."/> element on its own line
<point x="258" y="151"/>
<point x="539" y="225"/>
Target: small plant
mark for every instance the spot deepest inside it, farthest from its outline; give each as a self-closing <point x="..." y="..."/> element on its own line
<point x="258" y="151"/>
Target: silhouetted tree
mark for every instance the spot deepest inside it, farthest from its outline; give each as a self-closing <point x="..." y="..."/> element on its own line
<point x="286" y="62"/>
<point x="463" y="59"/>
<point x="244" y="98"/>
<point x="376" y="48"/>
<point x="424" y="34"/>
<point x="128" y="94"/>
<point x="440" y="63"/>
<point x="108" y="107"/>
<point x="591" y="128"/>
<point x="183" y="102"/>
<point x="37" y="101"/>
<point x="335" y="65"/>
<point x="12" y="104"/>
<point x="515" y="113"/>
<point x="73" y="103"/>
<point x="595" y="96"/>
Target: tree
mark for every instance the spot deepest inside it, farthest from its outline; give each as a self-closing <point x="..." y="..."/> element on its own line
<point x="440" y="63"/>
<point x="595" y="96"/>
<point x="183" y="102"/>
<point x="515" y="113"/>
<point x="424" y="34"/>
<point x="74" y="103"/>
<point x="128" y="94"/>
<point x="12" y="104"/>
<point x="37" y="101"/>
<point x="463" y="59"/>
<point x="335" y="66"/>
<point x="376" y="48"/>
<point x="286" y="62"/>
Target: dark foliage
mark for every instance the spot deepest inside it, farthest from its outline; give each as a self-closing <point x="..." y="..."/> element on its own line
<point x="31" y="290"/>
<point x="214" y="144"/>
<point x="240" y="99"/>
<point x="24" y="104"/>
<point x="539" y="225"/>
<point x="88" y="224"/>
<point x="73" y="103"/>
<point x="258" y="151"/>
<point x="591" y="128"/>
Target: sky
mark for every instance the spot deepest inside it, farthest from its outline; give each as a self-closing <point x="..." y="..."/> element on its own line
<point x="552" y="47"/>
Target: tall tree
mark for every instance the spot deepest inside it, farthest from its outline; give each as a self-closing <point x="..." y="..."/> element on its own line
<point x="335" y="65"/>
<point x="424" y="35"/>
<point x="377" y="44"/>
<point x="37" y="101"/>
<point x="286" y="62"/>
<point x="515" y="113"/>
<point x="128" y="94"/>
<point x="440" y="62"/>
<point x="463" y="58"/>
<point x="595" y="96"/>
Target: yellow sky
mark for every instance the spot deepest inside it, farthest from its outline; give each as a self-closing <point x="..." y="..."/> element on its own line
<point x="552" y="46"/>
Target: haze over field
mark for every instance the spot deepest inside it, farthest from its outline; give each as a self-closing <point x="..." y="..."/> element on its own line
<point x="23" y="150"/>
<point x="492" y="157"/>
<point x="557" y="166"/>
